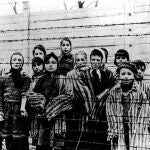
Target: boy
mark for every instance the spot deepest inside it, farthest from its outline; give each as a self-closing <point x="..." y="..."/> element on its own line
<point x="127" y="112"/>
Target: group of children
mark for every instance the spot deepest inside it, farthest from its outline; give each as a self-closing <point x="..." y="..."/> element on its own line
<point x="68" y="104"/>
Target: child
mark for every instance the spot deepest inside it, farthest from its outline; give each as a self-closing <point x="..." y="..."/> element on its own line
<point x="121" y="56"/>
<point x="66" y="59"/>
<point x="144" y="83"/>
<point x="39" y="51"/>
<point x="127" y="112"/>
<point x="50" y="85"/>
<point x="36" y="109"/>
<point x="13" y="88"/>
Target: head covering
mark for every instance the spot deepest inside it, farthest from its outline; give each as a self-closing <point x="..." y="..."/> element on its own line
<point x="17" y="53"/>
<point x="139" y="63"/>
<point x="121" y="52"/>
<point x="16" y="73"/>
<point x="127" y="65"/>
<point x="105" y="54"/>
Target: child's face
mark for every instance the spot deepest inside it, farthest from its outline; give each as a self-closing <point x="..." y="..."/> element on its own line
<point x="140" y="70"/>
<point x="126" y="74"/>
<point x="80" y="61"/>
<point x="37" y="67"/>
<point x="120" y="59"/>
<point x="96" y="62"/>
<point x="51" y="65"/>
<point x="65" y="47"/>
<point x="39" y="53"/>
<point x="16" y="61"/>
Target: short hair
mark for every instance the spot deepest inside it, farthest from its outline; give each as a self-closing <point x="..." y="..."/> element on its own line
<point x="40" y="47"/>
<point x="65" y="39"/>
<point x="96" y="52"/>
<point x="121" y="52"/>
<point x="37" y="60"/>
<point x="81" y="53"/>
<point x="48" y="56"/>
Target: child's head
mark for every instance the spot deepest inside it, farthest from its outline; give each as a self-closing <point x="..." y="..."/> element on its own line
<point x="37" y="65"/>
<point x="96" y="58"/>
<point x="80" y="59"/>
<point x="39" y="51"/>
<point x="65" y="46"/>
<point x="51" y="62"/>
<point x="126" y="72"/>
<point x="16" y="61"/>
<point x="141" y="67"/>
<point x="121" y="56"/>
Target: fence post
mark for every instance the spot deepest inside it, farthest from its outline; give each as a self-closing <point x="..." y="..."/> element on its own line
<point x="26" y="12"/>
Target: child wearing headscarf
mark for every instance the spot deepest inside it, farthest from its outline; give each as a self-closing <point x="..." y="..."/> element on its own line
<point x="13" y="88"/>
<point x="128" y="112"/>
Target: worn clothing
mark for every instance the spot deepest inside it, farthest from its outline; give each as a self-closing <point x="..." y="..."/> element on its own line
<point x="34" y="112"/>
<point x="15" y="125"/>
<point x="138" y="119"/>
<point x="65" y="63"/>
<point x="51" y="86"/>
<point x="79" y="87"/>
<point x="102" y="83"/>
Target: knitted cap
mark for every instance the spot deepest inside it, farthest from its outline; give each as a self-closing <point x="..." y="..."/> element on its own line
<point x="127" y="65"/>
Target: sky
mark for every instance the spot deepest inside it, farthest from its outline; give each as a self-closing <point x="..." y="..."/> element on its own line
<point x="6" y="6"/>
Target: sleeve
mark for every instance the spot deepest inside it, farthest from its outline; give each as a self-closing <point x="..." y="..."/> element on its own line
<point x="1" y="92"/>
<point x="111" y="117"/>
<point x="111" y="79"/>
<point x="62" y="102"/>
<point x="26" y="84"/>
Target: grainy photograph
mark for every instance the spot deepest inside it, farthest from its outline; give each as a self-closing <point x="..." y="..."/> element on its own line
<point x="74" y="74"/>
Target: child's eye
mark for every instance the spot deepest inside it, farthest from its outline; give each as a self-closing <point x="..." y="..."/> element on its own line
<point x="123" y="73"/>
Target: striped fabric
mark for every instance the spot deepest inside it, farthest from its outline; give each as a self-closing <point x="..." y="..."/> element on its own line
<point x="138" y="119"/>
<point x="76" y="91"/>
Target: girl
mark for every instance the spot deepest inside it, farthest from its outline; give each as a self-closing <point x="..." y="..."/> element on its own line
<point x="66" y="59"/>
<point x="127" y="112"/>
<point x="39" y="51"/>
<point x="36" y="106"/>
<point x="50" y="85"/>
<point x="78" y="104"/>
<point x="13" y="86"/>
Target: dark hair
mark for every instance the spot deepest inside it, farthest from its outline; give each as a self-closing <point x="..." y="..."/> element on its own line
<point x="65" y="39"/>
<point x="96" y="52"/>
<point x="139" y="63"/>
<point x="40" y="47"/>
<point x="48" y="56"/>
<point x="121" y="52"/>
<point x="37" y="60"/>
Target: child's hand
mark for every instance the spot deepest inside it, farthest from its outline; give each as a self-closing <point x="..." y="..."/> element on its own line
<point x="23" y="112"/>
<point x="1" y="116"/>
